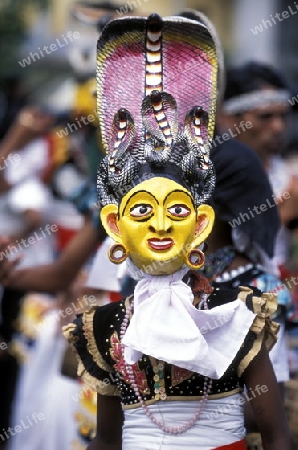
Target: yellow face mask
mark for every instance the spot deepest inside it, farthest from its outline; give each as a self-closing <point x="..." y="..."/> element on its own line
<point x="158" y="225"/>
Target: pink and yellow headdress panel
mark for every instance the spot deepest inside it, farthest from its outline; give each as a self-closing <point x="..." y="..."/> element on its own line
<point x="156" y="100"/>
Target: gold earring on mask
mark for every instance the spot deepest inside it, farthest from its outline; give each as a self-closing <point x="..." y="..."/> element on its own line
<point x="195" y="259"/>
<point x="117" y="254"/>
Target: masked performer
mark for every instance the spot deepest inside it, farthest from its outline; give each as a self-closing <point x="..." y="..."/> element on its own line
<point x="170" y="362"/>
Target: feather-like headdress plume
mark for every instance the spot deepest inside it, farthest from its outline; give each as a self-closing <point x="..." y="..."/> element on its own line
<point x="156" y="94"/>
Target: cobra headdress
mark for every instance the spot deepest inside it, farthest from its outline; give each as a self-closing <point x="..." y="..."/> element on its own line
<point x="156" y="99"/>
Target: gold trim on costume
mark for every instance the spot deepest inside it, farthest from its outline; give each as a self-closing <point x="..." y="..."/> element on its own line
<point x="67" y="331"/>
<point x="91" y="345"/>
<point x="265" y="329"/>
<point x="103" y="387"/>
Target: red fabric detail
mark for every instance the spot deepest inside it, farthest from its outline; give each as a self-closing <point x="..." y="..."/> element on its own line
<point x="239" y="445"/>
<point x="284" y="272"/>
<point x="120" y="366"/>
<point x="200" y="284"/>
<point x="179" y="374"/>
<point x="48" y="171"/>
<point x="115" y="296"/>
<point x="64" y="236"/>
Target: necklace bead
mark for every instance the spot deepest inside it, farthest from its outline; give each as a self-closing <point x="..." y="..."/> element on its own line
<point x="161" y="395"/>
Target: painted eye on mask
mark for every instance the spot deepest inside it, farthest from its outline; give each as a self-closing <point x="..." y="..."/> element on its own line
<point x="179" y="211"/>
<point x="141" y="210"/>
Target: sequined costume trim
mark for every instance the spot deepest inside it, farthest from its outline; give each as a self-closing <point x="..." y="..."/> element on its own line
<point x="186" y="398"/>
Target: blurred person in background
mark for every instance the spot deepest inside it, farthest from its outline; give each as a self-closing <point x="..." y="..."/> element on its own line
<point x="255" y="111"/>
<point x="24" y="207"/>
<point x="65" y="178"/>
<point x="240" y="252"/>
<point x="52" y="278"/>
<point x="26" y="196"/>
<point x="291" y="157"/>
<point x="257" y="94"/>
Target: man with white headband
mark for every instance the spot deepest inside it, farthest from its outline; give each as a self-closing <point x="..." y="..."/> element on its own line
<point x="257" y="95"/>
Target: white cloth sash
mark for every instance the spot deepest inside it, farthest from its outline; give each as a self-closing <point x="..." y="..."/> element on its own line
<point x="167" y="326"/>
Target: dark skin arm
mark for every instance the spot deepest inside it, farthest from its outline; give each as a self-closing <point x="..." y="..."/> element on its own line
<point x="249" y="418"/>
<point x="288" y="207"/>
<point x="267" y="403"/>
<point x="57" y="276"/>
<point x="109" y="424"/>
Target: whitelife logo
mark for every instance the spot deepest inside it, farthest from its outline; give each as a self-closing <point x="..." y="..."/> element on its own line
<point x="271" y="22"/>
<point x="48" y="49"/>
<point x="293" y="100"/>
<point x="257" y="210"/>
<point x="31" y="240"/>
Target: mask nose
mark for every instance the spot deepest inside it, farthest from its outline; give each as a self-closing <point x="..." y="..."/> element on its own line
<point x="160" y="223"/>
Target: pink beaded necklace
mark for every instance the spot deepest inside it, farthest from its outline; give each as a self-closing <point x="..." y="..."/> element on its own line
<point x="207" y="384"/>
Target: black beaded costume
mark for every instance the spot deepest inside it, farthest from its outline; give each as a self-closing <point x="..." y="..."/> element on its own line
<point x="95" y="338"/>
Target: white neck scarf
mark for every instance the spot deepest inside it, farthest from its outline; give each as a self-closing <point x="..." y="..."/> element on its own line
<point x="167" y="326"/>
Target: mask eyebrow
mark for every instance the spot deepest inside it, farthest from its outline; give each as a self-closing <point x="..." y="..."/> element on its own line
<point x="179" y="191"/>
<point x="135" y="193"/>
